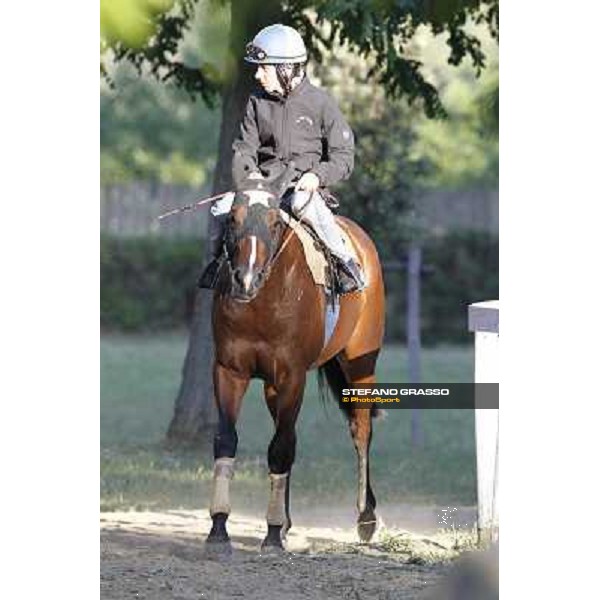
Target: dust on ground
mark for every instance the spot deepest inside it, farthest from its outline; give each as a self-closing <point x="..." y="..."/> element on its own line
<point x="158" y="555"/>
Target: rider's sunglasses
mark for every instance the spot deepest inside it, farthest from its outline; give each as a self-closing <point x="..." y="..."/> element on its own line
<point x="255" y="53"/>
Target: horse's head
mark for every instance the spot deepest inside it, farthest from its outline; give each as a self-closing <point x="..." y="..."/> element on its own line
<point x="253" y="238"/>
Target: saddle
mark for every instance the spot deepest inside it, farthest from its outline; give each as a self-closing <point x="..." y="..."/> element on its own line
<point x="321" y="262"/>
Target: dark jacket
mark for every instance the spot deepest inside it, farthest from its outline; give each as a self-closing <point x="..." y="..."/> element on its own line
<point x="307" y="128"/>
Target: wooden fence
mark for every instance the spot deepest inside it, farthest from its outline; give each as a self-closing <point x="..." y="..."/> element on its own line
<point x="131" y="210"/>
<point x="475" y="209"/>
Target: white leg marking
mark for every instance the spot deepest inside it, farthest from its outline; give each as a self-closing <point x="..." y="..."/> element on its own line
<point x="362" y="483"/>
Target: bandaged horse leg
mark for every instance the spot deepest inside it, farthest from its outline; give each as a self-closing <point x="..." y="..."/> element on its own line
<point x="284" y="401"/>
<point x="276" y="510"/>
<point x="229" y="390"/>
<point x="271" y="399"/>
<point x="220" y="505"/>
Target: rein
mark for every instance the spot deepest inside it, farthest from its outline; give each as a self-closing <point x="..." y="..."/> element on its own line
<point x="286" y="241"/>
<point x="277" y="253"/>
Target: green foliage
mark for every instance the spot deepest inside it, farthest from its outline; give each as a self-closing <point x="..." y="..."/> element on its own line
<point x="381" y="29"/>
<point x="488" y="104"/>
<point x="131" y="21"/>
<point x="378" y="195"/>
<point x="147" y="283"/>
<point x="461" y="150"/>
<point x="153" y="132"/>
<point x="399" y="151"/>
<point x="155" y="48"/>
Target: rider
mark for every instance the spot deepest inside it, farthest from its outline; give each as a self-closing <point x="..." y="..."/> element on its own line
<point x="291" y="124"/>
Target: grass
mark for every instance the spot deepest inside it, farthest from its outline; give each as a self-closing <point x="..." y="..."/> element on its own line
<point x="443" y="545"/>
<point x="140" y="375"/>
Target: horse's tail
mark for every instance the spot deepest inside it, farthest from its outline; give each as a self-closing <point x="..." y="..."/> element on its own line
<point x="331" y="378"/>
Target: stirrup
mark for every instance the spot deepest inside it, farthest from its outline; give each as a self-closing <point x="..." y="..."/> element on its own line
<point x="210" y="276"/>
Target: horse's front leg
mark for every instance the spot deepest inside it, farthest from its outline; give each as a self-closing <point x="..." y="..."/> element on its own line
<point x="229" y="389"/>
<point x="284" y="401"/>
<point x="271" y="398"/>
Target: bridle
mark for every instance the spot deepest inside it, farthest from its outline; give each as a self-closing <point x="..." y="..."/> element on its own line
<point x="255" y="227"/>
<point x="274" y="244"/>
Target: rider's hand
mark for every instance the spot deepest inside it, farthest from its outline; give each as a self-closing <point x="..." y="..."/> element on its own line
<point x="309" y="182"/>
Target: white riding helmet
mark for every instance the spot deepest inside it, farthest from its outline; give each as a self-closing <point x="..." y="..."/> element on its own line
<point x="276" y="44"/>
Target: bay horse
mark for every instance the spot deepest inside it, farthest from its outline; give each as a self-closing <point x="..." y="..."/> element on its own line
<point x="269" y="323"/>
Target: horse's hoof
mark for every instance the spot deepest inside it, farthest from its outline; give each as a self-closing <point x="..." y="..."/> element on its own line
<point x="272" y="543"/>
<point x="367" y="524"/>
<point x="218" y="548"/>
<point x="271" y="549"/>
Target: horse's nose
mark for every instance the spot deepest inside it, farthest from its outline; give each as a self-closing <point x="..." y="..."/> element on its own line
<point x="244" y="279"/>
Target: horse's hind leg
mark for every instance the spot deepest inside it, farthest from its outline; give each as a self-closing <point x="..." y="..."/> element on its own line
<point x="284" y="401"/>
<point x="361" y="430"/>
<point x="360" y="371"/>
<point x="229" y="390"/>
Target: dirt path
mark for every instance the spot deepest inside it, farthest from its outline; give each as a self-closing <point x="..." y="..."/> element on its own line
<point x="161" y="555"/>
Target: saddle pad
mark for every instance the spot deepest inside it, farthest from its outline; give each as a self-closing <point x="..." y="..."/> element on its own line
<point x="332" y="313"/>
<point x="314" y="258"/>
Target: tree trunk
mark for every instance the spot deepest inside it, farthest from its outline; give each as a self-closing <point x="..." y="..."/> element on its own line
<point x="195" y="416"/>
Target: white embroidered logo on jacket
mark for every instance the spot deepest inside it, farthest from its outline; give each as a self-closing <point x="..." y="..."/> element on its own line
<point x="302" y="118"/>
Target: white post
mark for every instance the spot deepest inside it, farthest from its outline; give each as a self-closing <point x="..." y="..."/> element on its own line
<point x="483" y="321"/>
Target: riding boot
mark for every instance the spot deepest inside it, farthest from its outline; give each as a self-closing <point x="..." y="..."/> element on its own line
<point x="351" y="278"/>
<point x="210" y="275"/>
